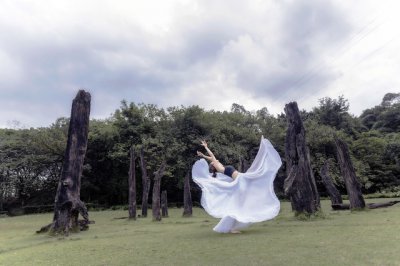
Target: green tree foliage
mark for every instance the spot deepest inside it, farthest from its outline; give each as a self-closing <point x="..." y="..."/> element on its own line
<point x="384" y="117"/>
<point x="31" y="159"/>
<point x="334" y="113"/>
<point x="30" y="162"/>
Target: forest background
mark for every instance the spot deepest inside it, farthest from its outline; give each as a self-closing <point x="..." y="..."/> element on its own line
<point x="31" y="159"/>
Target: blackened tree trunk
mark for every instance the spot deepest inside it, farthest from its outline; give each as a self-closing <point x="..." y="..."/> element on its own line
<point x="164" y="204"/>
<point x="68" y="205"/>
<point x="300" y="184"/>
<point x="334" y="194"/>
<point x="156" y="193"/>
<point x="353" y="187"/>
<point x="132" y="185"/>
<point x="145" y="183"/>
<point x="187" y="197"/>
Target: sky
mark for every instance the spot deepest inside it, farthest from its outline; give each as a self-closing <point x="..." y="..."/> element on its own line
<point x="257" y="53"/>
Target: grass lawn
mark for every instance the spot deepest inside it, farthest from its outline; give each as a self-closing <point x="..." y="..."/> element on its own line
<point x="343" y="238"/>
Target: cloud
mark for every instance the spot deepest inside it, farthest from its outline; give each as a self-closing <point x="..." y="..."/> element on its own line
<point x="209" y="53"/>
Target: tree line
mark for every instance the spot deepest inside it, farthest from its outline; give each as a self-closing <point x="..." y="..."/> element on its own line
<point x="31" y="159"/>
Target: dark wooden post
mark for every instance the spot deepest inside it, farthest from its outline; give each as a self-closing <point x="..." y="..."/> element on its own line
<point x="187" y="197"/>
<point x="132" y="185"/>
<point x="164" y="204"/>
<point x="334" y="194"/>
<point x="156" y="193"/>
<point x="353" y="187"/>
<point x="1" y="191"/>
<point x="1" y="200"/>
<point x="300" y="184"/>
<point x="145" y="183"/>
<point x="68" y="205"/>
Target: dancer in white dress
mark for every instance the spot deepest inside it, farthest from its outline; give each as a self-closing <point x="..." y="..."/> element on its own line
<point x="239" y="198"/>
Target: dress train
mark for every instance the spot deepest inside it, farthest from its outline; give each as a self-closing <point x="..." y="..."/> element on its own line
<point x="248" y="199"/>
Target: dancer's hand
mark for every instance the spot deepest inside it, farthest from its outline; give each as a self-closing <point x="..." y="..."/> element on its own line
<point x="203" y="143"/>
<point x="200" y="154"/>
<point x="211" y="157"/>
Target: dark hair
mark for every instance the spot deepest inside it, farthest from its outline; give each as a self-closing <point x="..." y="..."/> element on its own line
<point x="212" y="170"/>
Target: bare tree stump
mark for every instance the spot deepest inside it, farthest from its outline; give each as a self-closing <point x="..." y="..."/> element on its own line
<point x="156" y="193"/>
<point x="145" y="183"/>
<point x="187" y="197"/>
<point x="68" y="205"/>
<point x="334" y="194"/>
<point x="300" y="184"/>
<point x="353" y="187"/>
<point x="132" y="185"/>
<point x="164" y="204"/>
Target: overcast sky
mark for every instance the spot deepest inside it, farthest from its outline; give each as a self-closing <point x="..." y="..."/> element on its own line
<point x="257" y="53"/>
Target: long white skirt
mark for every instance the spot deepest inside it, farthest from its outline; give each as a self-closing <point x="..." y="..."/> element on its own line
<point x="250" y="198"/>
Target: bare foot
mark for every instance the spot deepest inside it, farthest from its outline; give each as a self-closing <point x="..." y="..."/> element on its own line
<point x="235" y="232"/>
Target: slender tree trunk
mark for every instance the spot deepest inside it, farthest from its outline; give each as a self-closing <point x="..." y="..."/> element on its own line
<point x="156" y="193"/>
<point x="164" y="204"/>
<point x="353" y="187"/>
<point x="187" y="197"/>
<point x="145" y="183"/>
<point x="243" y="165"/>
<point x="300" y="184"/>
<point x="148" y="189"/>
<point x="132" y="185"/>
<point x="334" y="194"/>
<point x="68" y="205"/>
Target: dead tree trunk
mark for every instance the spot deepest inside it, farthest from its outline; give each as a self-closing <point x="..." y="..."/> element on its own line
<point x="382" y="205"/>
<point x="2" y="189"/>
<point x="145" y="183"/>
<point x="353" y="187"/>
<point x="187" y="197"/>
<point x="164" y="204"/>
<point x="339" y="207"/>
<point x="300" y="184"/>
<point x="132" y="185"/>
<point x="334" y="194"/>
<point x="156" y="193"/>
<point x="68" y="205"/>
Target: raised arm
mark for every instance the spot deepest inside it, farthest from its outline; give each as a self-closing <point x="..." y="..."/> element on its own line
<point x="204" y="156"/>
<point x="204" y="144"/>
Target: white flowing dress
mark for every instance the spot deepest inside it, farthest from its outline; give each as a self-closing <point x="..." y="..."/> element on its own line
<point x="249" y="198"/>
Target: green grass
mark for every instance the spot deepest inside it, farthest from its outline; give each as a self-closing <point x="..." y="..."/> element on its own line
<point x="339" y="238"/>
